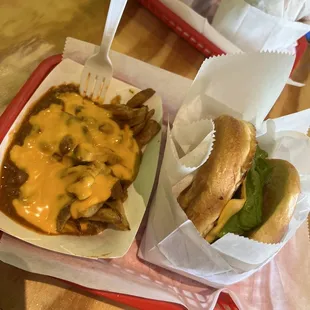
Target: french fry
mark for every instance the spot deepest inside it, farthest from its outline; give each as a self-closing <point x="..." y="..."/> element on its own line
<point x="139" y="116"/>
<point x="140" y="98"/>
<point x="149" y="115"/>
<point x="87" y="227"/>
<point x="85" y="178"/>
<point x="149" y="131"/>
<point x="89" y="212"/>
<point x="84" y="152"/>
<point x="119" y="111"/>
<point x="117" y="191"/>
<point x="106" y="128"/>
<point x="138" y="128"/>
<point x="118" y="206"/>
<point x="106" y="215"/>
<point x="71" y="227"/>
<point x="116" y="100"/>
<point x="108" y="156"/>
<point x="62" y="218"/>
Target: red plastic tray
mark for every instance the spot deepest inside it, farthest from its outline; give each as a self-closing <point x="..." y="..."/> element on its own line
<point x="196" y="39"/>
<point x="199" y="42"/>
<point x="7" y="119"/>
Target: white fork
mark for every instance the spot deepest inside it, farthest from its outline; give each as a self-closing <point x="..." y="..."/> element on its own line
<point x="98" y="71"/>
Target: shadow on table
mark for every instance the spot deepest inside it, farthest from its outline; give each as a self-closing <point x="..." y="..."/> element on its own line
<point x="12" y="288"/>
<point x="22" y="290"/>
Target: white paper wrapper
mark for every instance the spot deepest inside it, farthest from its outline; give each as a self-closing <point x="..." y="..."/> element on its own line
<point x="238" y="21"/>
<point x="194" y="142"/>
<point x="218" y="87"/>
<point x="245" y="86"/>
<point x="220" y="33"/>
<point x="234" y="26"/>
<point x="289" y="9"/>
<point x="111" y="243"/>
<point x="200" y="24"/>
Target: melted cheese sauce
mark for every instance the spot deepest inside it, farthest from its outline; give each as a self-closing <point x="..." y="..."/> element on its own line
<point x="94" y="134"/>
<point x="98" y="195"/>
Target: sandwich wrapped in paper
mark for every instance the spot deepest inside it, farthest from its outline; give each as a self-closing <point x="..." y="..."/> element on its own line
<point x="233" y="188"/>
<point x="239" y="190"/>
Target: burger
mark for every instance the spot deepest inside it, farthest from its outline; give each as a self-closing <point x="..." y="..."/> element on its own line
<point x="239" y="189"/>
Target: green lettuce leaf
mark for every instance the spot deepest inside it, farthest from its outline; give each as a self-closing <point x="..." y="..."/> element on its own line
<point x="250" y="215"/>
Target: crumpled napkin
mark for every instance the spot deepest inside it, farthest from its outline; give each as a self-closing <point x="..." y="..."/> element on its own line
<point x="253" y="29"/>
<point x="293" y="10"/>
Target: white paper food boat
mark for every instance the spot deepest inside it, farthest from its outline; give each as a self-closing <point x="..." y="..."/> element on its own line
<point x="111" y="243"/>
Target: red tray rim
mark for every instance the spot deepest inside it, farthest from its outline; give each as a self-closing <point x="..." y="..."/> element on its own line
<point x="175" y="22"/>
<point x="172" y="20"/>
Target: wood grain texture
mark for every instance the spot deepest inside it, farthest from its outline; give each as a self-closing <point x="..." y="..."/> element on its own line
<point x="23" y="290"/>
<point x="32" y="30"/>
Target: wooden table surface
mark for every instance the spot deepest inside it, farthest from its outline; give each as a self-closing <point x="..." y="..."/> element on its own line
<point x="32" y="30"/>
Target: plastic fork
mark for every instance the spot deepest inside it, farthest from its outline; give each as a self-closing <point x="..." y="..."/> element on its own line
<point x="98" y="70"/>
